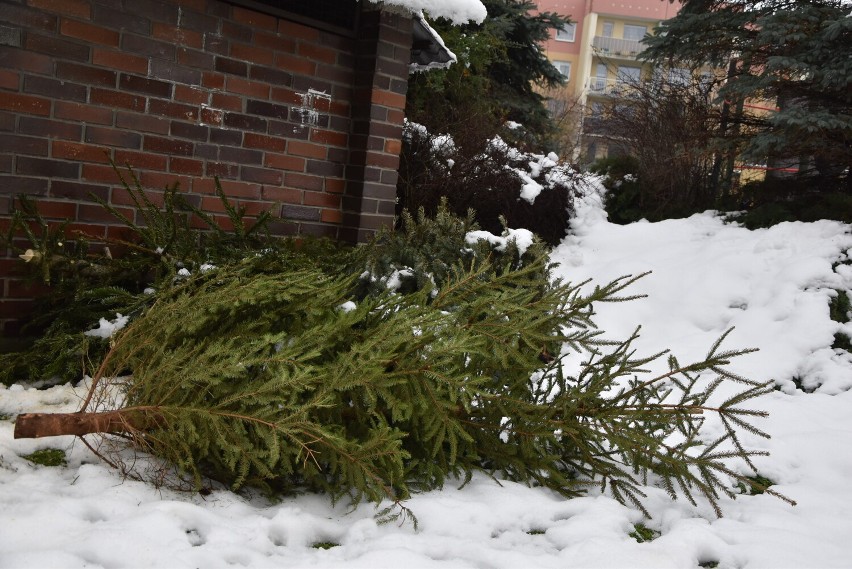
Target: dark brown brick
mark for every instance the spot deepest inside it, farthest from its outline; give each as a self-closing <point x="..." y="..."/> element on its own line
<point x="255" y="19"/>
<point x="192" y="95"/>
<point x="27" y="18"/>
<point x="99" y="173"/>
<point x="112" y="137"/>
<point x="15" y="144"/>
<point x="303" y="182"/>
<point x="306" y="149"/>
<point x="186" y="166"/>
<point x="198" y="22"/>
<point x="147" y="46"/>
<point x="206" y="151"/>
<point x="286" y="195"/>
<point x="14" y="185"/>
<point x="28" y="165"/>
<point x="177" y="34"/>
<point x="13" y="58"/>
<point x="321" y="199"/>
<point x="97" y="214"/>
<point x="275" y="42"/>
<point x="330" y="137"/>
<point x="54" y="88"/>
<point x="173" y="110"/>
<point x="284" y="162"/>
<point x="89" y="32"/>
<point x="191" y="131"/>
<point x="141" y="160"/>
<point x="6" y="168"/>
<point x="263" y="142"/>
<point x="241" y="189"/>
<point x="79" y="8"/>
<point x="227" y="102"/>
<point x="324" y="168"/>
<point x="234" y="31"/>
<point x="246" y="122"/>
<point x="9" y="79"/>
<point x="175" y="73"/>
<point x="141" y="122"/>
<point x="379" y="191"/>
<point x="226" y="137"/>
<point x="82" y="113"/>
<point x="56" y="47"/>
<point x="195" y="59"/>
<point x="85" y="74"/>
<point x="240" y="155"/>
<point x="297" y="31"/>
<point x="110" y="98"/>
<point x="144" y="85"/>
<point x="231" y="66"/>
<point x="57" y="209"/>
<point x="78" y="151"/>
<point x="331" y="216"/>
<point x="216" y="44"/>
<point x="269" y="75"/>
<point x="252" y="54"/>
<point x="78" y="190"/>
<point x="121" y="19"/>
<point x="160" y="11"/>
<point x="289" y="211"/>
<point x="288" y="130"/>
<point x="120" y="60"/>
<point x="295" y="64"/>
<point x="50" y="128"/>
<point x="320" y="53"/>
<point x="265" y="109"/>
<point x="222" y="170"/>
<point x="254" y="89"/>
<point x="162" y="180"/>
<point x="335" y="186"/>
<point x="25" y="104"/>
<point x="168" y="146"/>
<point x="261" y="175"/>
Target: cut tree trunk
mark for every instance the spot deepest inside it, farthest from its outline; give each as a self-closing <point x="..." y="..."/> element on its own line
<point x="37" y="425"/>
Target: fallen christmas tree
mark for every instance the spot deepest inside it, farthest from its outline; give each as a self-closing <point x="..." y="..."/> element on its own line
<point x="426" y="355"/>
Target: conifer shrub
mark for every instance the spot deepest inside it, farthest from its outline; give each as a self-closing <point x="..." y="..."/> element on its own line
<point x="428" y="355"/>
<point x="504" y="186"/>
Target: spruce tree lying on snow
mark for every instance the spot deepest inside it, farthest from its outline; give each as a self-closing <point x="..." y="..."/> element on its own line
<point x="431" y="353"/>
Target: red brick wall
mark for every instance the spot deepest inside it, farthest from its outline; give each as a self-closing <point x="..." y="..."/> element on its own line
<point x="297" y="119"/>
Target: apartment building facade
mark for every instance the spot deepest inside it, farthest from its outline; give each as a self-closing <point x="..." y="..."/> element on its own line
<point x="597" y="53"/>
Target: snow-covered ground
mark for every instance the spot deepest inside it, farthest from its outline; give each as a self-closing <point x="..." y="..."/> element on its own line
<point x="772" y="285"/>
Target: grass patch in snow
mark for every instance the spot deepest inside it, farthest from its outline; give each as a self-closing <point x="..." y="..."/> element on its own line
<point x="325" y="545"/>
<point x="758" y="486"/>
<point x="47" y="457"/>
<point x="642" y="534"/>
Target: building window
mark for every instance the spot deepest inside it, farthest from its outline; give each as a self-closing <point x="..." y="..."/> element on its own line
<point x="564" y="68"/>
<point x="566" y="32"/>
<point x="607" y="29"/>
<point x="635" y="33"/>
<point x="627" y="74"/>
<point x="598" y="83"/>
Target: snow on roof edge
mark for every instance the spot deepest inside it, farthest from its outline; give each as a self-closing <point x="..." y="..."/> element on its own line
<point x="456" y="11"/>
<point x="416" y="67"/>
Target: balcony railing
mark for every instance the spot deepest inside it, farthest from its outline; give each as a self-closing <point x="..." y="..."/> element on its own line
<point x="615" y="47"/>
<point x="608" y="87"/>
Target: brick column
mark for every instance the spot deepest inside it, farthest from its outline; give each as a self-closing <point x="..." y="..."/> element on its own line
<point x="378" y="109"/>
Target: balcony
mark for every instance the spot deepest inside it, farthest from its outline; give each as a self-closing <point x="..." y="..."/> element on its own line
<point x="602" y="86"/>
<point x="615" y="47"/>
